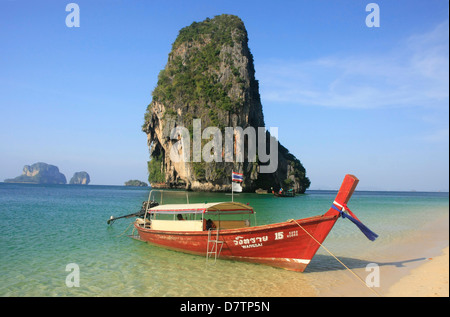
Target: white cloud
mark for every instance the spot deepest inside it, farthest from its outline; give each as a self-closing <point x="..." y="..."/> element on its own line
<point x="415" y="73"/>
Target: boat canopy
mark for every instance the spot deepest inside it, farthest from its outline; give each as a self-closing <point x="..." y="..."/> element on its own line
<point x="214" y="208"/>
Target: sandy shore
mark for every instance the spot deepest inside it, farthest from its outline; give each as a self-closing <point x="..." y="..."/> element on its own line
<point x="412" y="265"/>
<point x="428" y="280"/>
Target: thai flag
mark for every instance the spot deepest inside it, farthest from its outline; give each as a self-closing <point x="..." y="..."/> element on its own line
<point x="237" y="177"/>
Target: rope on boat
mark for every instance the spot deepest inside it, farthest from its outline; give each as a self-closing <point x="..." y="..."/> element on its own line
<point x="356" y="275"/>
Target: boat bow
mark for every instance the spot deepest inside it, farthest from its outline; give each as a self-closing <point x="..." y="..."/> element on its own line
<point x="340" y="207"/>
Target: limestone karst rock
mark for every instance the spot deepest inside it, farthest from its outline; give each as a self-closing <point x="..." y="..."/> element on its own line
<point x="39" y="173"/>
<point x="80" y="178"/>
<point x="209" y="79"/>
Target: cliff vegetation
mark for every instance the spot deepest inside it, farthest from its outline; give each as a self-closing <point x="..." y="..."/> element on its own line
<point x="136" y="183"/>
<point x="210" y="76"/>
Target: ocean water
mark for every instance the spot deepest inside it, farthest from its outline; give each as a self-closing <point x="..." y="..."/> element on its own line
<point x="47" y="228"/>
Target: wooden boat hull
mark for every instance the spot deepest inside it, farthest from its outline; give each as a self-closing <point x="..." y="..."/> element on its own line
<point x="285" y="245"/>
<point x="290" y="245"/>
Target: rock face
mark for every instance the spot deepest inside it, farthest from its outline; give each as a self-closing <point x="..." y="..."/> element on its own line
<point x="80" y="178"/>
<point x="39" y="173"/>
<point x="209" y="79"/>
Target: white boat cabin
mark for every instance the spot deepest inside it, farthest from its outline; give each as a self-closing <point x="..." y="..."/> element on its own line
<point x="198" y="217"/>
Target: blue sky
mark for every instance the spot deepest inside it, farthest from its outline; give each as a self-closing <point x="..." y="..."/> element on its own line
<point x="346" y="98"/>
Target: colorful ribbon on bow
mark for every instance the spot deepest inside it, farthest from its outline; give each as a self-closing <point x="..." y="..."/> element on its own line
<point x="343" y="209"/>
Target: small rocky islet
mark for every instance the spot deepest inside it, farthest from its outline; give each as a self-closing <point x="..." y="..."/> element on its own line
<point x="43" y="173"/>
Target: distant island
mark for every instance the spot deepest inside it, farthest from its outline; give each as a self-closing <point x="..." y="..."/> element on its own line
<point x="135" y="182"/>
<point x="39" y="173"/>
<point x="43" y="173"/>
<point x="80" y="178"/>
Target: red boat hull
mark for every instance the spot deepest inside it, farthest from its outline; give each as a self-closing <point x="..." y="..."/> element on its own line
<point x="290" y="245"/>
<point x="284" y="245"/>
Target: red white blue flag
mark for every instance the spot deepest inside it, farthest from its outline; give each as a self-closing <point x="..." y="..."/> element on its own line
<point x="237" y="177"/>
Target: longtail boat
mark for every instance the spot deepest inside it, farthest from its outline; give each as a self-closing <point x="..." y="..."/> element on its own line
<point x="223" y="230"/>
<point x="289" y="193"/>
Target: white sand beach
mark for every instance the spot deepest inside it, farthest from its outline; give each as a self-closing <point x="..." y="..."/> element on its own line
<point x="428" y="280"/>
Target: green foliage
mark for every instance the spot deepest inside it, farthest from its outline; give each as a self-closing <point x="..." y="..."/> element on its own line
<point x="192" y="79"/>
<point x="169" y="112"/>
<point x="220" y="173"/>
<point x="288" y="183"/>
<point x="199" y="169"/>
<point x="135" y="182"/>
<point x="220" y="29"/>
<point x="156" y="170"/>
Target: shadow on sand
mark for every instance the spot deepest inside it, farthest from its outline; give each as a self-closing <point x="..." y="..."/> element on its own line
<point x="321" y="263"/>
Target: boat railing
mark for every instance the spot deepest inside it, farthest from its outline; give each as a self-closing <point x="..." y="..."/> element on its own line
<point x="161" y="200"/>
<point x="167" y="191"/>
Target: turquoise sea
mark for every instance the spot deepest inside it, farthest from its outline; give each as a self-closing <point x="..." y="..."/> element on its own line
<point x="45" y="228"/>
